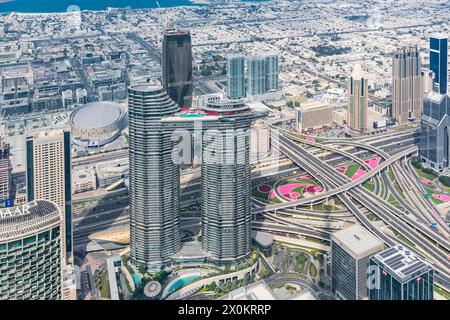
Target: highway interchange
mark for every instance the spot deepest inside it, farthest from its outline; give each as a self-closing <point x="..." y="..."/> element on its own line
<point x="411" y="220"/>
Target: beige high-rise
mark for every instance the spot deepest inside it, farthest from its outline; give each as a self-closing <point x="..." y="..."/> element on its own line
<point x="358" y="103"/>
<point x="49" y="177"/>
<point x="407" y="92"/>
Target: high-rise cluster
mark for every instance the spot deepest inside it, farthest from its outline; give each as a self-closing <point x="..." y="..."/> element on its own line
<point x="262" y="75"/>
<point x="155" y="177"/>
<point x="435" y="122"/>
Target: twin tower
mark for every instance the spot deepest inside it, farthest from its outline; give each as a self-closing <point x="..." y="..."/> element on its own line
<point x="155" y="124"/>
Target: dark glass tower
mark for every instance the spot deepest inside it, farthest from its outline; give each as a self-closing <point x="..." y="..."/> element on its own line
<point x="177" y="66"/>
<point x="438" y="61"/>
<point x="399" y="274"/>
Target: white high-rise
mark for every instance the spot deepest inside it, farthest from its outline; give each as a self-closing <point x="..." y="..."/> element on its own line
<point x="49" y="177"/>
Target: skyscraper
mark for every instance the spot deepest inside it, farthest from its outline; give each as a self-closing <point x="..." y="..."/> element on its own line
<point x="350" y="252"/>
<point x="236" y="76"/>
<point x="399" y="274"/>
<point x="177" y="66"/>
<point x="226" y="182"/>
<point x="406" y="85"/>
<point x="357" y="100"/>
<point x="272" y="71"/>
<point x="256" y="75"/>
<point x="5" y="173"/>
<point x="49" y="177"/>
<point x="438" y="61"/>
<point x="434" y="146"/>
<point x="30" y="251"/>
<point x="155" y="233"/>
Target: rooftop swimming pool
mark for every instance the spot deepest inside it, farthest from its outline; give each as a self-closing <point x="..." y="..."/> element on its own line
<point x="192" y="115"/>
<point x="181" y="282"/>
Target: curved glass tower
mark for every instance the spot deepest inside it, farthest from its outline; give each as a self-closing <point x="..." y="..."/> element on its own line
<point x="155" y="234"/>
<point x="226" y="183"/>
<point x="30" y="252"/>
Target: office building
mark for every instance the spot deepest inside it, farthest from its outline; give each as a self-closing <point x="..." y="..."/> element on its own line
<point x="154" y="187"/>
<point x="5" y="175"/>
<point x="358" y="102"/>
<point x="313" y="114"/>
<point x="350" y="252"/>
<point x="406" y="85"/>
<point x="30" y="251"/>
<point x="272" y="71"/>
<point x="226" y="182"/>
<point x="177" y="66"/>
<point x="49" y="169"/>
<point x="399" y="274"/>
<point x="434" y="135"/>
<point x="256" y="75"/>
<point x="439" y="62"/>
<point x="236" y="76"/>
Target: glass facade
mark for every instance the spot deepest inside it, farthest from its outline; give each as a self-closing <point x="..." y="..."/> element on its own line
<point x="177" y="66"/>
<point x="439" y="62"/>
<point x="343" y="273"/>
<point x="434" y="139"/>
<point x="236" y="76"/>
<point x="30" y="254"/>
<point x="418" y="287"/>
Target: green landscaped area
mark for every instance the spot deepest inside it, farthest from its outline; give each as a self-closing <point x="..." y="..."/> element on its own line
<point x="372" y="217"/>
<point x="351" y="169"/>
<point x="312" y="270"/>
<point x="369" y="186"/>
<point x="325" y="207"/>
<point x="443" y="293"/>
<point x="425" y="175"/>
<point x="301" y="260"/>
<point x="104" y="286"/>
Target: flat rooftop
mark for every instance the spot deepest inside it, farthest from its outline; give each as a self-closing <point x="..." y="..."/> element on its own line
<point x="312" y="104"/>
<point x="401" y="262"/>
<point x="357" y="241"/>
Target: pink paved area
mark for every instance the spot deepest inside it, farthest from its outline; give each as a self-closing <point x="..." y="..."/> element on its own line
<point x="309" y="139"/>
<point x="287" y="188"/>
<point x="272" y="195"/>
<point x="342" y="169"/>
<point x="373" y="163"/>
<point x="426" y="181"/>
<point x="307" y="176"/>
<point x="442" y="197"/>
<point x="292" y="195"/>
<point x="358" y="174"/>
<point x="313" y="189"/>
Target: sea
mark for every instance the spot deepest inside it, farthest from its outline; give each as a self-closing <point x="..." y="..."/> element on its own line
<point x="50" y="6"/>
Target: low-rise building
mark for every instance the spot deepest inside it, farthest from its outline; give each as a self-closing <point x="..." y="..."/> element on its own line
<point x="84" y="180"/>
<point x="110" y="172"/>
